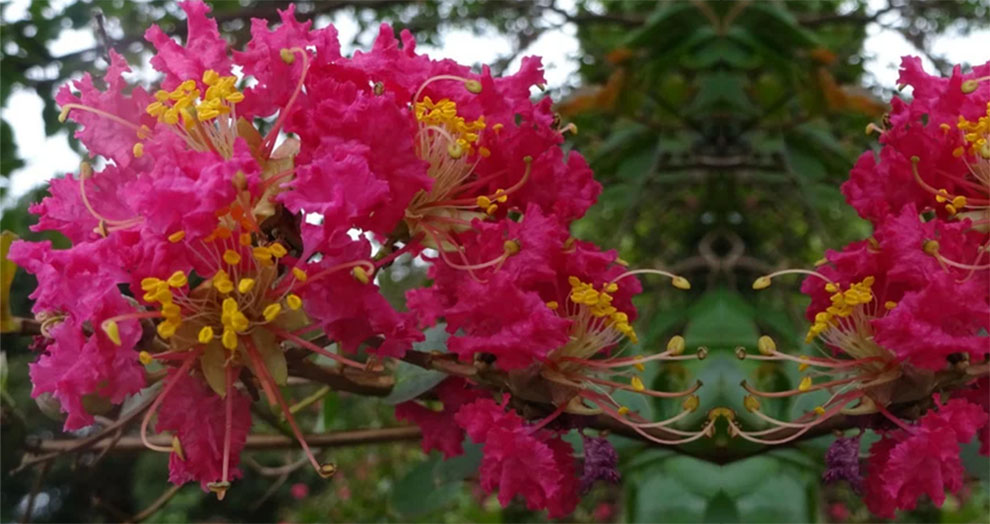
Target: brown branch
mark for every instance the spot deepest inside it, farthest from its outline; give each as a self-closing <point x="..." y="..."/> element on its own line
<point x="254" y="442"/>
<point x="157" y="504"/>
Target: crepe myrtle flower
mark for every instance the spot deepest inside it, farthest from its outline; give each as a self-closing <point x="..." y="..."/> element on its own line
<point x="181" y="255"/>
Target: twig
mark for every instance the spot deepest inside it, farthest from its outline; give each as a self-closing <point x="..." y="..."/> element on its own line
<point x="255" y="442"/>
<point x="35" y="487"/>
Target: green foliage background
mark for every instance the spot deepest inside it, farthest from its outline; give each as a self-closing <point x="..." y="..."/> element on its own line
<point x="721" y="132"/>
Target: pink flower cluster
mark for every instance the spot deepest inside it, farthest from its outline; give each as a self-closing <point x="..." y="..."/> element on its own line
<point x="245" y="207"/>
<point x="906" y="312"/>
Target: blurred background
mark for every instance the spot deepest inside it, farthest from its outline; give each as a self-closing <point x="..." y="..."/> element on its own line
<point x="721" y="132"/>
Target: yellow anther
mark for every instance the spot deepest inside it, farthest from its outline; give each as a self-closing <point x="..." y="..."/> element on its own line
<point x="229" y="339"/>
<point x="766" y="345"/>
<point x="553" y="305"/>
<point x="262" y="254"/>
<point x="819" y="410"/>
<point x="172" y="311"/>
<point x="235" y="97"/>
<point x="680" y="282"/>
<point x="327" y="471"/>
<point x="484" y="152"/>
<point x="299" y="274"/>
<point x="761" y="283"/>
<point x="187" y="85"/>
<point x="231" y="257"/>
<point x="150" y="283"/>
<point x="293" y="301"/>
<point x="245" y="285"/>
<point x="831" y="287"/>
<point x="168" y="328"/>
<point x="112" y="330"/>
<point x="178" y="279"/>
<point x="675" y="346"/>
<point x="639" y="366"/>
<point x="511" y="247"/>
<point x="177" y="236"/>
<point x="483" y="202"/>
<point x="271" y="311"/>
<point x="611" y="287"/>
<point x="969" y="86"/>
<point x="278" y="251"/>
<point x="360" y="275"/>
<point x="637" y="383"/>
<point x="751" y="403"/>
<point x="229" y="306"/>
<point x="145" y="358"/>
<point x="245" y="239"/>
<point x="715" y="413"/>
<point x="473" y="86"/>
<point x="210" y="77"/>
<point x="490" y="210"/>
<point x="239" y="322"/>
<point x="691" y="403"/>
<point x="803" y="366"/>
<point x="500" y="196"/>
<point x="138" y="150"/>
<point x="455" y="150"/>
<point x="497" y="127"/>
<point x="959" y="202"/>
<point x="890" y="304"/>
<point x="287" y="56"/>
<point x="623" y="410"/>
<point x="959" y="151"/>
<point x="805" y="384"/>
<point x="170" y="117"/>
<point x="930" y="247"/>
<point x="205" y="335"/>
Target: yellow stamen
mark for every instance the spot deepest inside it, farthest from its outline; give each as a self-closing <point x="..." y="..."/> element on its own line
<point x="299" y="274"/>
<point x="293" y="301"/>
<point x="805" y="384"/>
<point x="245" y="285"/>
<point x="231" y="257"/>
<point x="145" y="358"/>
<point x="637" y="383"/>
<point x="178" y="279"/>
<point x="205" y="335"/>
<point x="360" y="275"/>
<point x="177" y="236"/>
<point x="272" y="311"/>
<point x="229" y="339"/>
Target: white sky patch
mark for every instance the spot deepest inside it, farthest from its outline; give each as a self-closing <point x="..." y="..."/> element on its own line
<point x="47" y="157"/>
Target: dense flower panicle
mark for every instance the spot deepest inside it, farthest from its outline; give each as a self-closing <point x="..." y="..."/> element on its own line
<point x="601" y="462"/>
<point x="192" y="252"/>
<point x="935" y="152"/>
<point x="904" y="465"/>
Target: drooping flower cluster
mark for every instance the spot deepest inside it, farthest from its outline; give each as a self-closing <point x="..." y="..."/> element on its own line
<point x="903" y="316"/>
<point x="231" y="224"/>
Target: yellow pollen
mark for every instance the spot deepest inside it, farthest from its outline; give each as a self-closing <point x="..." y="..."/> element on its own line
<point x="245" y="239"/>
<point x="262" y="254"/>
<point x="623" y="410"/>
<point x="168" y="328"/>
<point x="229" y="339"/>
<point x="299" y="274"/>
<point x="819" y="410"/>
<point x="890" y="304"/>
<point x="691" y="403"/>
<point x="639" y="366"/>
<point x="231" y="257"/>
<point x="245" y="285"/>
<point x="222" y="282"/>
<point x="681" y="283"/>
<point x="278" y="251"/>
<point x="675" y="346"/>
<point x="150" y="283"/>
<point x="138" y="150"/>
<point x="360" y="275"/>
<point x="490" y="210"/>
<point x="145" y="358"/>
<point x="483" y="202"/>
<point x="178" y="279"/>
<point x="172" y="311"/>
<point x="177" y="236"/>
<point x="511" y="247"/>
<point x="293" y="301"/>
<point x="473" y="86"/>
<point x="271" y="311"/>
<point x="930" y="247"/>
<point x="553" y="304"/>
<point x="805" y="384"/>
<point x="210" y="77"/>
<point x="205" y="335"/>
<point x="112" y="330"/>
<point x="969" y="86"/>
<point x="637" y="383"/>
<point x="287" y="56"/>
<point x="751" y="403"/>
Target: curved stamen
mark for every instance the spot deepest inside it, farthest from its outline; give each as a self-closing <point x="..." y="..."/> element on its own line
<point x="184" y="368"/>
<point x="68" y="107"/>
<point x="314" y="348"/>
<point x="677" y="280"/>
<point x="283" y="114"/>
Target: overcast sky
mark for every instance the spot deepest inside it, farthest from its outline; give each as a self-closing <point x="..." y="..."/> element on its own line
<point x="46" y="157"/>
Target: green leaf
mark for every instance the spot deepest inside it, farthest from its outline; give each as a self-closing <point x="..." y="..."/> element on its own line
<point x="412" y="381"/>
<point x="721" y="319"/>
